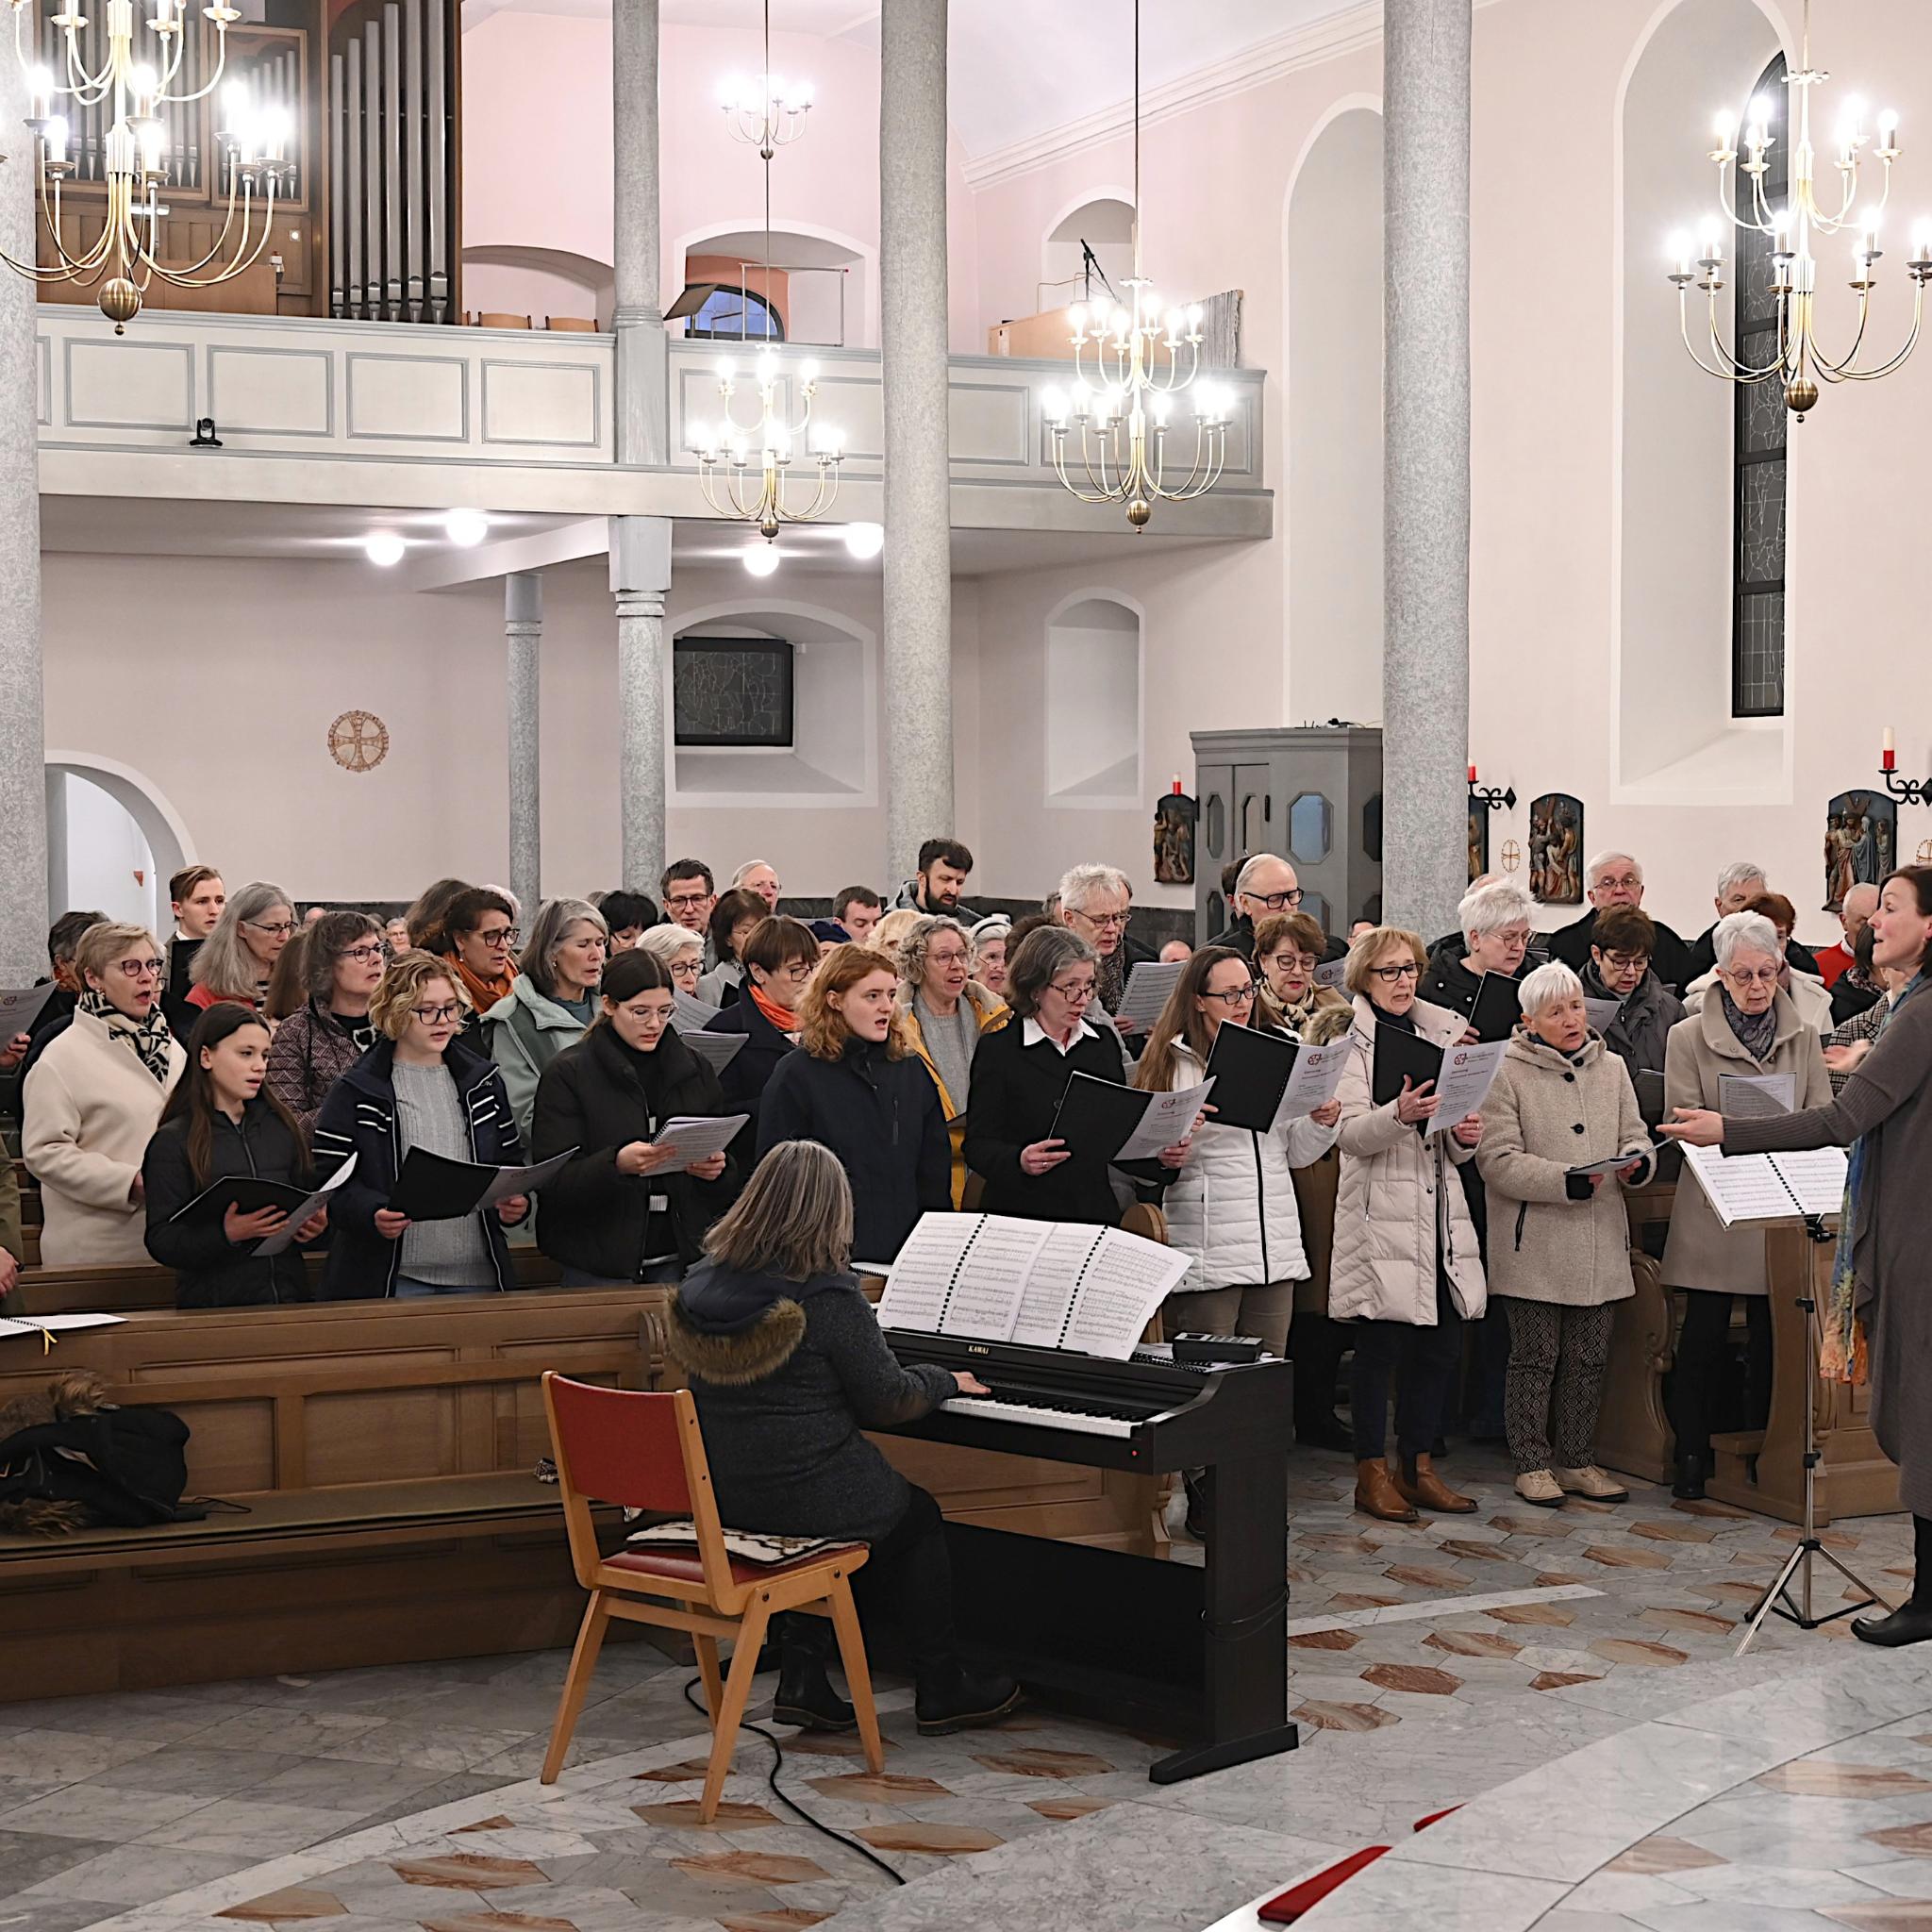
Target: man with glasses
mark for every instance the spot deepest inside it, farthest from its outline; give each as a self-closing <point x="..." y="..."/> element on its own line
<point x="1096" y="903"/>
<point x="688" y="892"/>
<point x="1613" y="879"/>
<point x="1265" y="884"/>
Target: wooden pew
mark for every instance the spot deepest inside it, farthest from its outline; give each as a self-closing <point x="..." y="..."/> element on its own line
<point x="382" y="1453"/>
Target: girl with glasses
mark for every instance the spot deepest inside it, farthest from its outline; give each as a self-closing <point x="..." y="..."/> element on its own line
<point x="94" y="1099"/>
<point x="1406" y="1273"/>
<point x="420" y="1085"/>
<point x="341" y="958"/>
<point x="1231" y="1206"/>
<point x="238" y="959"/>
<point x="221" y="1122"/>
<point x="779" y="957"/>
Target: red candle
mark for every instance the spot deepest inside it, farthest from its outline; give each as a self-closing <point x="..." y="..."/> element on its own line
<point x="1888" y="757"/>
<point x="1472" y="774"/>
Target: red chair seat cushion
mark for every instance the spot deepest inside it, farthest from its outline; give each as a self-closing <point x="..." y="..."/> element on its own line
<point x="685" y="1566"/>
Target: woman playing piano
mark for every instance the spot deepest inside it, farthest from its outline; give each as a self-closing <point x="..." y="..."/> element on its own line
<point x="788" y="1365"/>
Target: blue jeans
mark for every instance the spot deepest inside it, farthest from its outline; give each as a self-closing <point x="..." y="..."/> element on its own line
<point x="409" y="1290"/>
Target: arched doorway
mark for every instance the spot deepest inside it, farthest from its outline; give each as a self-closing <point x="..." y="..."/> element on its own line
<point x="113" y="841"/>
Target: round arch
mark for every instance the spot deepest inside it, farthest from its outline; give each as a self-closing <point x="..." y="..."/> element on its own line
<point x="1094" y="715"/>
<point x="862" y="315"/>
<point x="169" y="839"/>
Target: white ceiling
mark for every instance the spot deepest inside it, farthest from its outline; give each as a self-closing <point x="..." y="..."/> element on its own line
<point x="1019" y="68"/>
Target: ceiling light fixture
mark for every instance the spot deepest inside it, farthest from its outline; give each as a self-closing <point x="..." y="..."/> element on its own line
<point x="865" y="540"/>
<point x="383" y="547"/>
<point x="762" y="560"/>
<point x="466" y="528"/>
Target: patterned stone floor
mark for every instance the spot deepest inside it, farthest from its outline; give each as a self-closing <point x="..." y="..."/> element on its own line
<point x="1431" y="1665"/>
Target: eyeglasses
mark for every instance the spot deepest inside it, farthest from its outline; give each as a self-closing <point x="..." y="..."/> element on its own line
<point x="945" y="958"/>
<point x="364" y="955"/>
<point x="1624" y="882"/>
<point x="1623" y="962"/>
<point x="435" y="1016"/>
<point x="497" y="936"/>
<point x="1767" y="976"/>
<point x="797" y="973"/>
<point x="1107" y="922"/>
<point x="280" y="930"/>
<point x="687" y="902"/>
<point x="1390" y="974"/>
<point x="1234" y="996"/>
<point x="1076" y="994"/>
<point x="1275" y="900"/>
<point x="140" y="969"/>
<point x="1291" y="962"/>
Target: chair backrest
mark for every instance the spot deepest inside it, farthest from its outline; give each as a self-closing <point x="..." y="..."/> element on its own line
<point x="496" y="318"/>
<point x="573" y="324"/>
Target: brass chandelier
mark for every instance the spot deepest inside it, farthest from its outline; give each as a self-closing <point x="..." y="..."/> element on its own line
<point x="1800" y="364"/>
<point x="124" y="259"/>
<point x="1141" y="357"/>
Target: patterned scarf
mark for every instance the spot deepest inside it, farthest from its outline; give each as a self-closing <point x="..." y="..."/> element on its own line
<point x="149" y="1038"/>
<point x="1756" y="1033"/>
<point x="1845" y="1356"/>
<point x="1110" y="977"/>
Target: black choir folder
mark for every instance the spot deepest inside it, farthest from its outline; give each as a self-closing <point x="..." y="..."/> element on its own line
<point x="1498" y="1003"/>
<point x="431" y="1186"/>
<point x="1398" y="1051"/>
<point x="1250" y="1071"/>
<point x="1049" y="1284"/>
<point x="1119" y="1123"/>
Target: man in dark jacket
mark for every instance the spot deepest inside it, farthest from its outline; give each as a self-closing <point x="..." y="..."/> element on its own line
<point x="943" y="867"/>
<point x="1737" y="885"/>
<point x="1612" y="879"/>
<point x="1266" y="884"/>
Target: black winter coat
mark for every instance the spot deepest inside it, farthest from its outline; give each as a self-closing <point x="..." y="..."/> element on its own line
<point x="1670" y="961"/>
<point x="360" y="1118"/>
<point x="750" y="1070"/>
<point x="210" y="1272"/>
<point x="1016" y="1093"/>
<point x="592" y="1096"/>
<point x="882" y="1118"/>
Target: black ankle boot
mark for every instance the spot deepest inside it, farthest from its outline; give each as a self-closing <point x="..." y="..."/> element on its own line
<point x="806" y="1697"/>
<point x="952" y="1698"/>
<point x="1688" y="1485"/>
<point x="1911" y="1622"/>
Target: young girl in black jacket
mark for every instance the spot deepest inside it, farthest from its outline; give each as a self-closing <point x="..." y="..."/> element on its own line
<point x="218" y="1124"/>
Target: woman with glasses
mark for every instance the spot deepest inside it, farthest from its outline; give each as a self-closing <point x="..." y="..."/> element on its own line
<point x="626" y="1208"/>
<point x="682" y="953"/>
<point x="92" y="1100"/>
<point x="420" y="1085"/>
<point x="342" y="957"/>
<point x="1231" y="1206"/>
<point x="1288" y="948"/>
<point x="779" y="957"/>
<point x="991" y="937"/>
<point x="733" y="920"/>
<point x="942" y="1013"/>
<point x="1494" y="938"/>
<point x="855" y="1090"/>
<point x="1622" y="944"/>
<point x="1096" y="903"/>
<point x="236" y="959"/>
<point x="1406" y="1273"/>
<point x="1020" y="1073"/>
<point x="479" y="939"/>
<point x="552" y="1000"/>
<point x="1806" y="990"/>
<point x="1747" y="1026"/>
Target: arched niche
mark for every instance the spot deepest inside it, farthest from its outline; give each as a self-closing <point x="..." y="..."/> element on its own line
<point x="1332" y="244"/>
<point x="538" y="282"/>
<point x="1094" y="734"/>
<point x="104" y="822"/>
<point x="823" y="285"/>
<point x="1673" y="430"/>
<point x="1107" y="225"/>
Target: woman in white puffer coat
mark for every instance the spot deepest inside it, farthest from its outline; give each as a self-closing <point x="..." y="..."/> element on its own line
<point x="1231" y="1208"/>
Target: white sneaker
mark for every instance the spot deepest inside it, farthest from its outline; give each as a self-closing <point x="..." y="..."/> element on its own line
<point x="1539" y="1487"/>
<point x="1590" y="1481"/>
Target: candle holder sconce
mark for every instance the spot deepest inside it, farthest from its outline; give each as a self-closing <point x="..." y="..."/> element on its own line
<point x="1497" y="798"/>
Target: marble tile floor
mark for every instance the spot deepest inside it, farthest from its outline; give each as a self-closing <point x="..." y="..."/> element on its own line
<point x="1430" y="1665"/>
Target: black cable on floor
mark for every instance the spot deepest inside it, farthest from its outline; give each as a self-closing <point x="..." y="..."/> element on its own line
<point x="851" y="1844"/>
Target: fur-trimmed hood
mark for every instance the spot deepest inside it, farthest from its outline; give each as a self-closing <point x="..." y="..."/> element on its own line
<point x="746" y="1355"/>
<point x="79" y="1392"/>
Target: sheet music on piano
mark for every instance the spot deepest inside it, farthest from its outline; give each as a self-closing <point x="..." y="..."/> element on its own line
<point x="1046" y="1283"/>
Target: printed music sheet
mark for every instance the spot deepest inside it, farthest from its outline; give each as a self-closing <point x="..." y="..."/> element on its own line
<point x="992" y="1277"/>
<point x="1126" y="1281"/>
<point x="1053" y="1282"/>
<point x="1149" y="982"/>
<point x="922" y="1277"/>
<point x="1465" y="1080"/>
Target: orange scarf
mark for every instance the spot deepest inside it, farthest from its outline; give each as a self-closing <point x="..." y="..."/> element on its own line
<point x="484" y="993"/>
<point x="781" y="1017"/>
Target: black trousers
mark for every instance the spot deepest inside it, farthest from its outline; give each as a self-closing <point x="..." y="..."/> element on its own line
<point x="1424" y="1359"/>
<point x="906" y="1581"/>
<point x="1700" y="1365"/>
<point x="1316" y="1345"/>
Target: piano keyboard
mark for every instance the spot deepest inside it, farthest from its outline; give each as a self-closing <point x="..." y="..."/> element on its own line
<point x="1083" y="1421"/>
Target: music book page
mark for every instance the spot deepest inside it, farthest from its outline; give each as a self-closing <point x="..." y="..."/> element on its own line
<point x="1816" y="1178"/>
<point x="700" y="1136"/>
<point x="20" y="1007"/>
<point x="1602" y="1014"/>
<point x="1769" y="1187"/>
<point x="1318" y="1071"/>
<point x="690" y="1013"/>
<point x="1169" y="1119"/>
<point x="1053" y="1281"/>
<point x="274" y="1244"/>
<point x="1464" y="1084"/>
<point x="1126" y="1280"/>
<point x="992" y="1277"/>
<point x="718" y="1049"/>
<point x="922" y="1277"/>
<point x="1149" y="982"/>
<point x="1754" y="1096"/>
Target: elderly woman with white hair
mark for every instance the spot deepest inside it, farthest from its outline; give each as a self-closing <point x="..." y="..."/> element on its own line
<point x="551" y="1002"/>
<point x="682" y="952"/>
<point x="1493" y="918"/>
<point x="1096" y="901"/>
<point x="1750" y="1028"/>
<point x="1560" y="1245"/>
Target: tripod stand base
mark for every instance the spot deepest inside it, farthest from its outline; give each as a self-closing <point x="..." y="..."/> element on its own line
<point x="1776" y="1600"/>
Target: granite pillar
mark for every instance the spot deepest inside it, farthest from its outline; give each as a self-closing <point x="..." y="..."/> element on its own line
<point x="639" y="579"/>
<point x="912" y="338"/>
<point x="523" y="631"/>
<point x="22" y="719"/>
<point x="1425" y="472"/>
<point x="637" y="318"/>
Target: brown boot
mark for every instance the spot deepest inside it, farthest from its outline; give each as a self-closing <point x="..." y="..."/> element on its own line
<point x="1427" y="1490"/>
<point x="1376" y="1495"/>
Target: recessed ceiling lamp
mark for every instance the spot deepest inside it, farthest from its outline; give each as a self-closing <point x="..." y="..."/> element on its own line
<point x="865" y="540"/>
<point x="762" y="560"/>
<point x="384" y="547"/>
<point x="466" y="528"/>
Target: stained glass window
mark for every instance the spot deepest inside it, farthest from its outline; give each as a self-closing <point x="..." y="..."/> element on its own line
<point x="1757" y="591"/>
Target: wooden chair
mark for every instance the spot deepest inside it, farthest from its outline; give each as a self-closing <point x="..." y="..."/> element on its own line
<point x="573" y="324"/>
<point x="496" y="318"/>
<point x="644" y="1450"/>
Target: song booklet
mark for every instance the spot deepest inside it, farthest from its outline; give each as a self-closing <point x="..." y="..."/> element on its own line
<point x="1048" y="1284"/>
<point x="431" y="1186"/>
<point x="1770" y="1187"/>
<point x="1117" y="1123"/>
<point x="1263" y="1079"/>
<point x="1498" y="1005"/>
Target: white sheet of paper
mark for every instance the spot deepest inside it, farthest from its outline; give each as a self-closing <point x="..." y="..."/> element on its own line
<point x="919" y="1281"/>
<point x="274" y="1244"/>
<point x="1149" y="982"/>
<point x="691" y="1014"/>
<point x="58" y="1325"/>
<point x="718" y="1049"/>
<point x="1464" y="1084"/>
<point x="1317" y="1073"/>
<point x="1126" y="1280"/>
<point x="1052" y="1282"/>
<point x="21" y="1007"/>
<point x="1169" y="1119"/>
<point x="1816" y="1178"/>
<point x="1769" y="1187"/>
<point x="1333" y="973"/>
<point x="1755" y="1096"/>
<point x="1602" y="1014"/>
<point x="985" y="1301"/>
<point x="523" y="1180"/>
<point x="697" y="1138"/>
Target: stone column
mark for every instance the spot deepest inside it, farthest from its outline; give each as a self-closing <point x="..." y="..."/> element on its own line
<point x="1426" y="473"/>
<point x="523" y="631"/>
<point x="639" y="319"/>
<point x="912" y="336"/>
<point x="23" y="720"/>
<point x="639" y="579"/>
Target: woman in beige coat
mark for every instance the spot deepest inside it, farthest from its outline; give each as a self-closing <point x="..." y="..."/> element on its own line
<point x="1751" y="1028"/>
<point x="1405" y="1271"/>
<point x="92" y="1101"/>
<point x="1559" y="1241"/>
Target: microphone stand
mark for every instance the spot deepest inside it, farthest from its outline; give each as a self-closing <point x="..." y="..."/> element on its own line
<point x="1089" y="267"/>
<point x="1776" y="1597"/>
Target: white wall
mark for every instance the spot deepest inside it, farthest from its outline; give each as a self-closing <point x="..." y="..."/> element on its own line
<point x="110" y="868"/>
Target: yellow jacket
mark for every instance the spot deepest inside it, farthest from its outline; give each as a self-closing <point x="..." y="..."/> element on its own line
<point x="991" y="1014"/>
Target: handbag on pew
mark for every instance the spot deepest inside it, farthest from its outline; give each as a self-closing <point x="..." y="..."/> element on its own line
<point x="70" y="1460"/>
